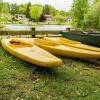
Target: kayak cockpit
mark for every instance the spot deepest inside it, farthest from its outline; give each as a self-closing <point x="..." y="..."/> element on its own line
<point x="19" y="43"/>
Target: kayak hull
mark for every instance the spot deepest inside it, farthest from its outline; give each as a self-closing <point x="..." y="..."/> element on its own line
<point x="67" y="51"/>
<point x="72" y="43"/>
<point x="90" y="39"/>
<point x="32" y="54"/>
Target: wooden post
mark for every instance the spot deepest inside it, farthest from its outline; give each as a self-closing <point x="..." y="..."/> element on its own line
<point x="33" y="31"/>
<point x="68" y="29"/>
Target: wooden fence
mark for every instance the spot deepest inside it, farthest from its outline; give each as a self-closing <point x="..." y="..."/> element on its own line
<point x="33" y="32"/>
<point x="16" y="32"/>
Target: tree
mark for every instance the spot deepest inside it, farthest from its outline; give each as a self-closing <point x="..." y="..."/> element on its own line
<point x="36" y="12"/>
<point x="48" y="9"/>
<point x="27" y="12"/>
<point x="5" y="8"/>
<point x="0" y="10"/>
<point x="4" y="11"/>
<point x="63" y="13"/>
<point x="79" y="9"/>
<point x="14" y="8"/>
<point x="92" y="17"/>
<point x="1" y="5"/>
<point x="22" y="8"/>
<point x="60" y="19"/>
<point x="53" y="11"/>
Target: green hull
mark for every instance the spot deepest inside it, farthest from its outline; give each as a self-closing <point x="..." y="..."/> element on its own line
<point x="90" y="39"/>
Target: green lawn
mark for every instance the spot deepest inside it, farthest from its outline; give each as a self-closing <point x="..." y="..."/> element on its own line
<point x="74" y="80"/>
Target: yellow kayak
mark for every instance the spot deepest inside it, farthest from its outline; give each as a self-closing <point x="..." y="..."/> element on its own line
<point x="64" y="50"/>
<point x="30" y="53"/>
<point x="72" y="43"/>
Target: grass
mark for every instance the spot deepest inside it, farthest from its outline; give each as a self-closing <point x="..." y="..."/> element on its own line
<point x="74" y="80"/>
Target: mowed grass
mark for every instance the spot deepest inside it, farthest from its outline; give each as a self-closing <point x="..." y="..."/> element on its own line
<point x="74" y="80"/>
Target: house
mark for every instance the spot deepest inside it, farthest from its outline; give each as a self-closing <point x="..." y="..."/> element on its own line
<point x="68" y="19"/>
<point x="21" y="17"/>
<point x="46" y="17"/>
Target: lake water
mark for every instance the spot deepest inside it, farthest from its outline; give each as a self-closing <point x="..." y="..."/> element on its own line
<point x="39" y="27"/>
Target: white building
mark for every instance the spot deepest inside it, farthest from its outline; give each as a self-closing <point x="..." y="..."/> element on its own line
<point x="21" y="17"/>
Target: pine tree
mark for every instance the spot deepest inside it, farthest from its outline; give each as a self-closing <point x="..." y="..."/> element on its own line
<point x="27" y="13"/>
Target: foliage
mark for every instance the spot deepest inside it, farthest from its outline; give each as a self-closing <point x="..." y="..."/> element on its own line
<point x="1" y="4"/>
<point x="92" y="17"/>
<point x="33" y="12"/>
<point x="79" y="9"/>
<point x="63" y="13"/>
<point x="53" y="11"/>
<point x="36" y="12"/>
<point x="14" y="8"/>
<point x="0" y="10"/>
<point x="22" y="8"/>
<point x="57" y="12"/>
<point x="27" y="13"/>
<point x="4" y="12"/>
<point x="60" y="19"/>
<point x="4" y="8"/>
<point x="5" y="18"/>
<point x="48" y="9"/>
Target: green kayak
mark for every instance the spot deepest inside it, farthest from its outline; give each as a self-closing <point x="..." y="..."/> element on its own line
<point x="84" y="37"/>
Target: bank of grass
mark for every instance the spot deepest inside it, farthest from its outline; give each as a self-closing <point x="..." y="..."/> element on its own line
<point x="74" y="80"/>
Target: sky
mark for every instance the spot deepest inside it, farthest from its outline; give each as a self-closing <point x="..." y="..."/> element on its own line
<point x="58" y="4"/>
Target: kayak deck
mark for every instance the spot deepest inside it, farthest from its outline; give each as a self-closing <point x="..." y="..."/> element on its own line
<point x="31" y="53"/>
<point x="72" y="43"/>
<point x="64" y="50"/>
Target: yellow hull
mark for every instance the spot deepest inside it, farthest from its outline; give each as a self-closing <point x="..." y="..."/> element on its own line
<point x="75" y="44"/>
<point x="30" y="53"/>
<point x="64" y="50"/>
